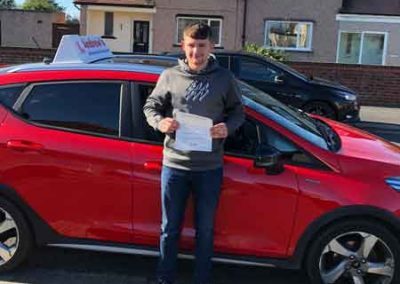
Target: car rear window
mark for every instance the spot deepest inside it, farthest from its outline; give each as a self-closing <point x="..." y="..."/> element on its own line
<point x="92" y="107"/>
<point x="223" y="61"/>
<point x="9" y="94"/>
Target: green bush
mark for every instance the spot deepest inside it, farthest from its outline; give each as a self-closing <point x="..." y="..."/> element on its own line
<point x="278" y="55"/>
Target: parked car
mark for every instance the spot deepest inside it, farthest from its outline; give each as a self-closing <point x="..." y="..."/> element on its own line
<point x="80" y="168"/>
<point x="311" y="94"/>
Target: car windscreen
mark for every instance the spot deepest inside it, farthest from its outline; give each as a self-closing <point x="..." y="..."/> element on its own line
<point x="282" y="114"/>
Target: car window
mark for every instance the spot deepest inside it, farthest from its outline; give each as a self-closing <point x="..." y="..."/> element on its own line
<point x="9" y="94"/>
<point x="146" y="132"/>
<point x="93" y="107"/>
<point x="250" y="69"/>
<point x="223" y="61"/>
<point x="245" y="140"/>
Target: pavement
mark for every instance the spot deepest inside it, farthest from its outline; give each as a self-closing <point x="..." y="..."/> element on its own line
<point x="381" y="121"/>
<point x="380" y="114"/>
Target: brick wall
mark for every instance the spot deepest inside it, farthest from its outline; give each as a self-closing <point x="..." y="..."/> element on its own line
<point x="17" y="55"/>
<point x="376" y="85"/>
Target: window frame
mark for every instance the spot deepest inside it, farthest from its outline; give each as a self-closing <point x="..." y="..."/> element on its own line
<point x="266" y="32"/>
<point x="362" y="33"/>
<point x="194" y="17"/>
<point x="124" y="108"/>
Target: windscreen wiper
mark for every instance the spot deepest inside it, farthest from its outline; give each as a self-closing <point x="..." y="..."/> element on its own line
<point x="328" y="134"/>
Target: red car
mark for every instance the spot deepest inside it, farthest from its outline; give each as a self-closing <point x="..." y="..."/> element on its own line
<point x="80" y="168"/>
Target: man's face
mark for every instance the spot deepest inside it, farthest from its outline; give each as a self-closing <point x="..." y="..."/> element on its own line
<point x="196" y="51"/>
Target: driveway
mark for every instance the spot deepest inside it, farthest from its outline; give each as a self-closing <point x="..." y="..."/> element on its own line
<point x="54" y="265"/>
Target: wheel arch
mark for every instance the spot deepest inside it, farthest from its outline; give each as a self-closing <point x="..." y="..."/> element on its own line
<point x="42" y="233"/>
<point x="328" y="102"/>
<point x="385" y="218"/>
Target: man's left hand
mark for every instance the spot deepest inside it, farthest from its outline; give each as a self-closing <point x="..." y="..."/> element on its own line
<point x="219" y="131"/>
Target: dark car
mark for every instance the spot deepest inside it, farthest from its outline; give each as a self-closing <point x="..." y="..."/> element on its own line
<point x="313" y="95"/>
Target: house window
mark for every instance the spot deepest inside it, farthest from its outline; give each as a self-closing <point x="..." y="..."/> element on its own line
<point x="288" y="35"/>
<point x="108" y="23"/>
<point x="214" y="23"/>
<point x="361" y="48"/>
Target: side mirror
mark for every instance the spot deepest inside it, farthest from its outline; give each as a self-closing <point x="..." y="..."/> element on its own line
<point x="270" y="159"/>
<point x="279" y="79"/>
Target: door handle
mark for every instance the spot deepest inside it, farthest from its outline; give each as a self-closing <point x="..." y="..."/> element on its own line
<point x="24" y="145"/>
<point x="153" y="166"/>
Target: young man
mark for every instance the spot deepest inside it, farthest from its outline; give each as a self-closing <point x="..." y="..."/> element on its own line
<point x="198" y="85"/>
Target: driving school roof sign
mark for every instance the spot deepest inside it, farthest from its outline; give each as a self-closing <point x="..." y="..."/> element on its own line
<point x="81" y="49"/>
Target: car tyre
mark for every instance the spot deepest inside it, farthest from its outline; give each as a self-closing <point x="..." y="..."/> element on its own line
<point x="321" y="109"/>
<point x="354" y="251"/>
<point x="15" y="236"/>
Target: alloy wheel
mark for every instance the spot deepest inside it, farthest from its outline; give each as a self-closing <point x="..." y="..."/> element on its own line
<point x="357" y="257"/>
<point x="9" y="237"/>
<point x="321" y="109"/>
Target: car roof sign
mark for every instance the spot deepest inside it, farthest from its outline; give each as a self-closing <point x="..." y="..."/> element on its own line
<point x="81" y="49"/>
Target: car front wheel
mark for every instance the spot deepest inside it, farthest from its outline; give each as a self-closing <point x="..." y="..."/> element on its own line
<point x="321" y="109"/>
<point x="15" y="236"/>
<point x="356" y="252"/>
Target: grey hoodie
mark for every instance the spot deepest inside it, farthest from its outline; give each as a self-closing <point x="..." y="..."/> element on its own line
<point x="211" y="92"/>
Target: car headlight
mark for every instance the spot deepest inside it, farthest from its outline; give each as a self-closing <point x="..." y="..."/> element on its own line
<point x="350" y="97"/>
<point x="394" y="182"/>
<point x="346" y="95"/>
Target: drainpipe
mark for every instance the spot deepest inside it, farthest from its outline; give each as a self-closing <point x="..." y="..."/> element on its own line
<point x="244" y="23"/>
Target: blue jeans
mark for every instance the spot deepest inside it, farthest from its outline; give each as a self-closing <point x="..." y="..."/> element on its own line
<point x="176" y="186"/>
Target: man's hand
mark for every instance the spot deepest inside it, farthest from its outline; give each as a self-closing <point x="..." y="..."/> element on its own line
<point x="219" y="131"/>
<point x="168" y="125"/>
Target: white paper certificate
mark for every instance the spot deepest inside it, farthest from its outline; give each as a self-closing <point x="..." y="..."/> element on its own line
<point x="193" y="133"/>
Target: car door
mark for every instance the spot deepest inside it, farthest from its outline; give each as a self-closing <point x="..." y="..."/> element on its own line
<point x="270" y="79"/>
<point x="65" y="155"/>
<point x="257" y="208"/>
<point x="146" y="151"/>
<point x="256" y="211"/>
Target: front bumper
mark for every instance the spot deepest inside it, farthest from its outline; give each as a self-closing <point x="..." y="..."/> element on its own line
<point x="348" y="111"/>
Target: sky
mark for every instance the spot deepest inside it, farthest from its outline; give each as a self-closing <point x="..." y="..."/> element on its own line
<point x="70" y="8"/>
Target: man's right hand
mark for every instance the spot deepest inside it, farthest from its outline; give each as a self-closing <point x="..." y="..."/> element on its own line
<point x="168" y="125"/>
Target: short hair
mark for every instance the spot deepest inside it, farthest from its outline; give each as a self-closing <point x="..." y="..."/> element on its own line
<point x="198" y="31"/>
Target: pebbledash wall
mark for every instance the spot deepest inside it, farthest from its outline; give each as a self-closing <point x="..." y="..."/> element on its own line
<point x="376" y="85"/>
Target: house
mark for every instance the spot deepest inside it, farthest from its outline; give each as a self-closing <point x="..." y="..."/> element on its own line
<point x="144" y="26"/>
<point x="343" y="31"/>
<point x="30" y="29"/>
<point x="369" y="32"/>
<point x="305" y="30"/>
